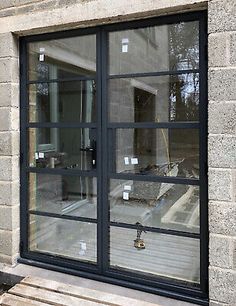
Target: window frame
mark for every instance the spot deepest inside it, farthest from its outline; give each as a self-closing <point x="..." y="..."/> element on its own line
<point x="171" y="289"/>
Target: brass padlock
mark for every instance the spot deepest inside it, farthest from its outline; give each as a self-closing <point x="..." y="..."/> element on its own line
<point x="138" y="242"/>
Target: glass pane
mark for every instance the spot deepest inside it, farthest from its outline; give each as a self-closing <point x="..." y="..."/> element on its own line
<point x="63" y="195"/>
<point x="63" y="102"/>
<point x="66" y="148"/>
<point x="164" y="255"/>
<point x="154" y="99"/>
<point x="155" y="204"/>
<point x="162" y="152"/>
<point x="158" y="48"/>
<point x="66" y="238"/>
<point x="62" y="58"/>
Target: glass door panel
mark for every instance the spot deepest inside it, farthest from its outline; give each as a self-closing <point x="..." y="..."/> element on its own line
<point x="62" y="148"/>
<point x="153" y="136"/>
<point x="63" y="102"/>
<point x="65" y="238"/>
<point x="168" y="98"/>
<point x="62" y="58"/>
<point x="165" y="256"/>
<point x="155" y="204"/>
<point x="158" y="48"/>
<point x="161" y="152"/>
<point x="63" y="195"/>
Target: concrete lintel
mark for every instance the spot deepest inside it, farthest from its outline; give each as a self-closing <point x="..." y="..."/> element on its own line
<point x="84" y="14"/>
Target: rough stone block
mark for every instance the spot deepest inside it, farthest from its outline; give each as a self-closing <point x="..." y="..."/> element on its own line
<point x="221" y="15"/>
<point x="213" y="303"/>
<point x="9" y="217"/>
<point x="41" y="5"/>
<point x="233" y="49"/>
<point x="222" y="84"/>
<point x="15" y="168"/>
<point x="15" y="241"/>
<point x="5" y="259"/>
<point x="9" y="193"/>
<point x="7" y="12"/>
<point x="6" y="242"/>
<point x="9" y="95"/>
<point x="234" y="184"/>
<point x="220" y="185"/>
<point x="220" y="251"/>
<point x="15" y="118"/>
<point x="25" y="9"/>
<point x="8" y="46"/>
<point x="6" y="3"/>
<point x="24" y="2"/>
<point x="221" y="118"/>
<point x="9" y="168"/>
<point x="5" y="118"/>
<point x="217" y="50"/>
<point x="9" y="143"/>
<point x="222" y="218"/>
<point x="222" y="285"/>
<point x="234" y="254"/>
<point x="222" y="151"/>
<point x="9" y="70"/>
<point x="9" y="118"/>
<point x="66" y="2"/>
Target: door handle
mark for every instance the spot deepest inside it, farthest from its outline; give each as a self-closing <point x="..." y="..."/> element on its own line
<point x="92" y="150"/>
<point x="87" y="149"/>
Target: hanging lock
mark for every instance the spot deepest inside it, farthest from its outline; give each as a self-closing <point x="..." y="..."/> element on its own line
<point x="139" y="243"/>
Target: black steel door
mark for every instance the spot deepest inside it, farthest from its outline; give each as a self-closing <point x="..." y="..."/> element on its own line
<point x="113" y="142"/>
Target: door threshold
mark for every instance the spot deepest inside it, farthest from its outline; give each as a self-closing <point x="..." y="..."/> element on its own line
<point x="26" y="267"/>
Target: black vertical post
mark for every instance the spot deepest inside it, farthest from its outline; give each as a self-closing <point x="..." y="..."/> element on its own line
<point x="204" y="262"/>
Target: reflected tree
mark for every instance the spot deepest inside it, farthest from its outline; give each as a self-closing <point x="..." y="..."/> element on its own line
<point x="184" y="54"/>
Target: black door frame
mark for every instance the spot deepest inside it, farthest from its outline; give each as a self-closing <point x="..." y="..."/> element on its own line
<point x="102" y="272"/>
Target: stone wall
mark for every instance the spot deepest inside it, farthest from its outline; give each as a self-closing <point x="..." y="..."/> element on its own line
<point x="9" y="149"/>
<point x="222" y="151"/>
<point x="23" y="17"/>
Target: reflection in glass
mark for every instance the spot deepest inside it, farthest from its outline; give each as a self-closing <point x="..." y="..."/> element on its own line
<point x="155" y="204"/>
<point x="164" y="255"/>
<point x="63" y="195"/>
<point x="65" y="238"/>
<point x="158" y="48"/>
<point x="162" y="152"/>
<point x="62" y="58"/>
<point x="62" y="102"/>
<point x="66" y="148"/>
<point x="154" y="99"/>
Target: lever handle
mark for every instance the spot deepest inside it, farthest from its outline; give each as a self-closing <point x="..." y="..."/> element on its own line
<point x="87" y="149"/>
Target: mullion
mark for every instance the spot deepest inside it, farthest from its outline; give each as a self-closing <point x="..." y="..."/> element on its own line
<point x="152" y="178"/>
<point x="149" y="74"/>
<point x="204" y="241"/>
<point x="61" y="125"/>
<point x="105" y="152"/>
<point x="99" y="151"/>
<point x="79" y="78"/>
<point x="61" y="171"/>
<point x="62" y="216"/>
<point x="155" y="125"/>
<point x="156" y="230"/>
